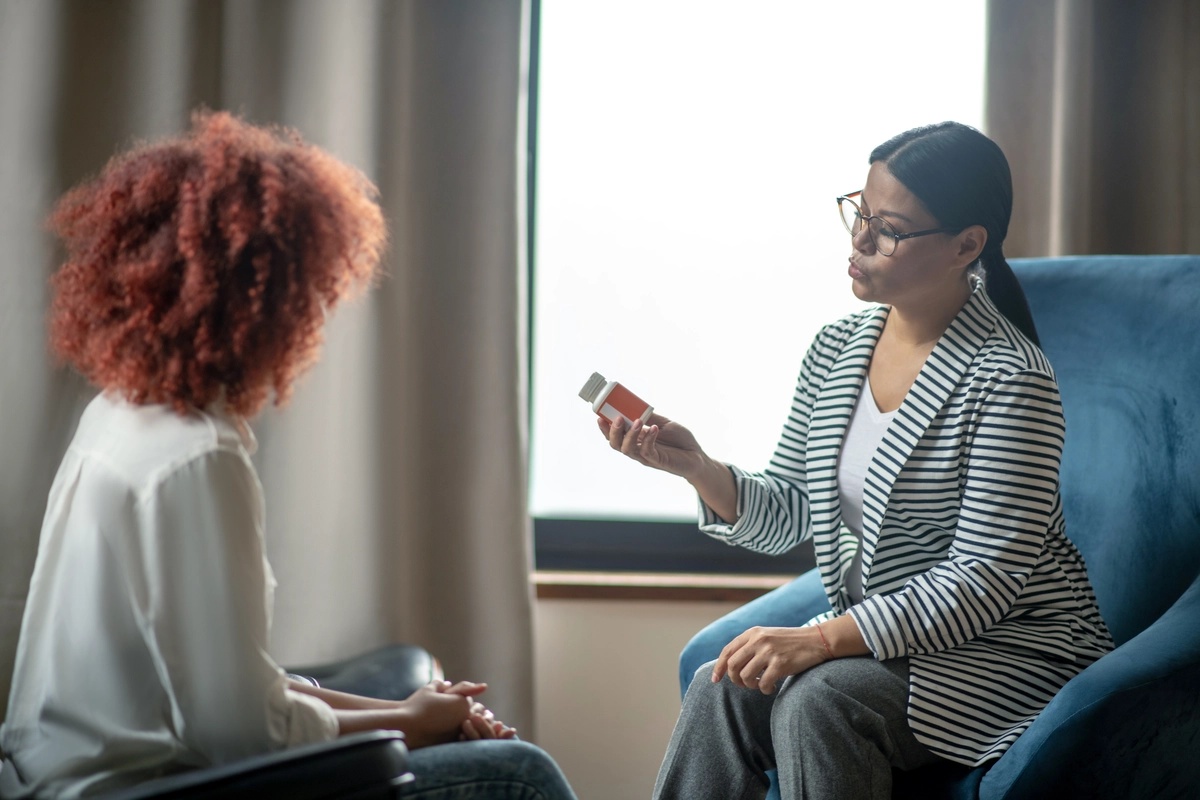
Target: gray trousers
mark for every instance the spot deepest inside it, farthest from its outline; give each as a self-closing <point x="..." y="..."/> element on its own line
<point x="834" y="731"/>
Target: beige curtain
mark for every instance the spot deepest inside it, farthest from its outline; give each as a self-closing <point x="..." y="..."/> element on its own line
<point x="395" y="480"/>
<point x="1097" y="104"/>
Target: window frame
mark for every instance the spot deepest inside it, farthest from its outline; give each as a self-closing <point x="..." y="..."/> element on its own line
<point x="615" y="544"/>
<point x="619" y="545"/>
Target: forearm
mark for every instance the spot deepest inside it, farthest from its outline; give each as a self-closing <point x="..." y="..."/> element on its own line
<point x="714" y="482"/>
<point x="341" y="701"/>
<point x="358" y="720"/>
<point x="355" y="714"/>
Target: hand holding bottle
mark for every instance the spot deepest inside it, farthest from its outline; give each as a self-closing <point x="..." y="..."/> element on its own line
<point x="659" y="443"/>
<point x="655" y="441"/>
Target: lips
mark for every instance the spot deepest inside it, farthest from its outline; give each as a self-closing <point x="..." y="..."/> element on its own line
<point x="854" y="271"/>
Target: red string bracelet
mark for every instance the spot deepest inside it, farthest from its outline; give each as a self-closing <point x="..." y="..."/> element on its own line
<point x="825" y="642"/>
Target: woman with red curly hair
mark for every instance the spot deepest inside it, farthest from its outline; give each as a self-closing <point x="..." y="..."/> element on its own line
<point x="198" y="275"/>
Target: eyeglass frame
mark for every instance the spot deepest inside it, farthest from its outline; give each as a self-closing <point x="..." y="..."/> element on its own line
<point x="865" y="221"/>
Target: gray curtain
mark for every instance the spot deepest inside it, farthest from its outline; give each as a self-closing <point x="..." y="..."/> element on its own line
<point x="1097" y="105"/>
<point x="395" y="479"/>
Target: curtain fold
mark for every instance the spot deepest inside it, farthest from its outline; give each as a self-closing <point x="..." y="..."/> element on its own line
<point x="1097" y="105"/>
<point x="395" y="479"/>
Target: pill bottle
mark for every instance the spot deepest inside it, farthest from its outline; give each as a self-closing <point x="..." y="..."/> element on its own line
<point x="610" y="400"/>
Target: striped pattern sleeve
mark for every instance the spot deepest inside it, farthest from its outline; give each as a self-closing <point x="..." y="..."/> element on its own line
<point x="773" y="506"/>
<point x="1008" y="497"/>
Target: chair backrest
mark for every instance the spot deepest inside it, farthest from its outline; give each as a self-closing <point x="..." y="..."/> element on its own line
<point x="1123" y="334"/>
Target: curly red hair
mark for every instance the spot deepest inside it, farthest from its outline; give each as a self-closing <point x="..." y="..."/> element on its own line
<point x="199" y="268"/>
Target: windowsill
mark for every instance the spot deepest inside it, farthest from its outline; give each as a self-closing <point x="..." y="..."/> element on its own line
<point x="563" y="585"/>
<point x="617" y="547"/>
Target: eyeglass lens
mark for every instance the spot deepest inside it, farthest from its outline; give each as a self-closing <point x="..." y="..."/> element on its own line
<point x="883" y="235"/>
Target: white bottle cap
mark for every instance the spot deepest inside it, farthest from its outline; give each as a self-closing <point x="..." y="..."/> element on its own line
<point x="591" y="389"/>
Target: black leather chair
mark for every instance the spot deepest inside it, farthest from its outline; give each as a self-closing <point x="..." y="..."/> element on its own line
<point x="364" y="766"/>
<point x="389" y="673"/>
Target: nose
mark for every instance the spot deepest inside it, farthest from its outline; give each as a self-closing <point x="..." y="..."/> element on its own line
<point x="862" y="240"/>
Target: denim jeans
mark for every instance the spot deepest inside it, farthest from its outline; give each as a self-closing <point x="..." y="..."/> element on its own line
<point x="492" y="769"/>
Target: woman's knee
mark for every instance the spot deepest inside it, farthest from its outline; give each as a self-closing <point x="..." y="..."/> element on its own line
<point x="798" y="699"/>
<point x="706" y="701"/>
<point x="701" y="684"/>
<point x="841" y="688"/>
<point x="701" y="651"/>
<point x="482" y="768"/>
<point x="801" y="599"/>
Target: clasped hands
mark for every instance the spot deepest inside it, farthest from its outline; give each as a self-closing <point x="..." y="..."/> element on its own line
<point x="449" y="711"/>
<point x="761" y="658"/>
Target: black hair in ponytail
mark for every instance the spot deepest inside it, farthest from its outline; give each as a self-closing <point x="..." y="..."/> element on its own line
<point x="962" y="178"/>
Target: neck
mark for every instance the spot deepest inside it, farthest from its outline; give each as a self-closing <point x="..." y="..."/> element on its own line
<point x="921" y="323"/>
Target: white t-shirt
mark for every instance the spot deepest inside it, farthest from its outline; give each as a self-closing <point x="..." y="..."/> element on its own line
<point x="863" y="435"/>
<point x="143" y="645"/>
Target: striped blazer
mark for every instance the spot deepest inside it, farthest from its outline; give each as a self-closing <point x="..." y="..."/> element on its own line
<point x="966" y="569"/>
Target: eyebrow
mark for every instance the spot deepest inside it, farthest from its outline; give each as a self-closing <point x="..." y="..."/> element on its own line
<point x="884" y="213"/>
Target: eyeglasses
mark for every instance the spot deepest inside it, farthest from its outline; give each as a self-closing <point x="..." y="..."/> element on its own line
<point x="883" y="235"/>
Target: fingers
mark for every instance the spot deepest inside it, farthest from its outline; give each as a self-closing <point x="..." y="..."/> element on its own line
<point x="631" y="444"/>
<point x="754" y="675"/>
<point x="768" y="682"/>
<point x="620" y="434"/>
<point x="721" y="668"/>
<point x="616" y="432"/>
<point x="733" y="657"/>
<point x="745" y="664"/>
<point x="744" y="669"/>
<point x="470" y="730"/>
<point x="466" y="688"/>
<point x="649" y="442"/>
<point x="498" y="728"/>
<point x="482" y="724"/>
<point x="640" y="442"/>
<point x="637" y="440"/>
<point x="476" y="727"/>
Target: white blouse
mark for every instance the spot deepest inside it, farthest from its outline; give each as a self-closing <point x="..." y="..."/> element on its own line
<point x="143" y="646"/>
<point x="863" y="435"/>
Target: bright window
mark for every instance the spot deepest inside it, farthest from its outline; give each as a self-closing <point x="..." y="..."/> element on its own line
<point x="687" y="239"/>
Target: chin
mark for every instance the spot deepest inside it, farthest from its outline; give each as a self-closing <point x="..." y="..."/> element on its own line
<point x="862" y="291"/>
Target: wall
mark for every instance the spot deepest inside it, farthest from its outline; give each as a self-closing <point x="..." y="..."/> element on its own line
<point x="607" y="687"/>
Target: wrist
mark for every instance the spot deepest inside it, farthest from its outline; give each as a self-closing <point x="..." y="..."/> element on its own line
<point x="701" y="472"/>
<point x="844" y="637"/>
<point x="828" y="651"/>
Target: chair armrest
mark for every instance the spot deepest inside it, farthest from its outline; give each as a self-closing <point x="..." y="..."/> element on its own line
<point x="366" y="765"/>
<point x="389" y="673"/>
<point x="1127" y="726"/>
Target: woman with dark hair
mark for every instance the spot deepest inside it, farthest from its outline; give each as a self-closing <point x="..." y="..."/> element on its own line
<point x="198" y="276"/>
<point x="921" y="456"/>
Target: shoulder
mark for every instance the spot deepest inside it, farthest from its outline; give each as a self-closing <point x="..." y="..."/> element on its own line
<point x="143" y="445"/>
<point x="1005" y="352"/>
<point x="1011" y="377"/>
<point x="1008" y="355"/>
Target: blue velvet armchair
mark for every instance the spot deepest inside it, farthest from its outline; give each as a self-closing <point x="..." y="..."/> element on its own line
<point x="1123" y="334"/>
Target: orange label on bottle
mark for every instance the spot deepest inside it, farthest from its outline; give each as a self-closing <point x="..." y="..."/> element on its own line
<point x="621" y="401"/>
